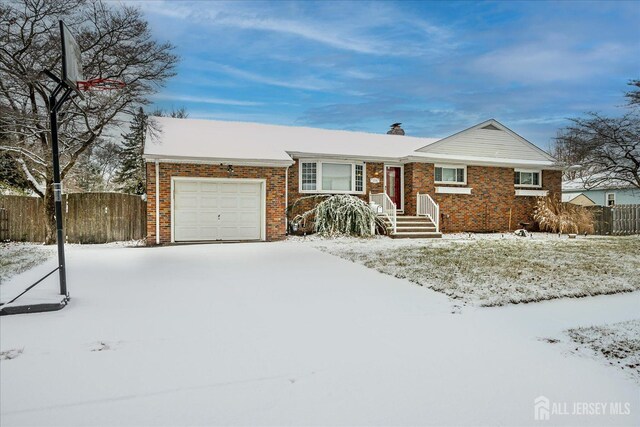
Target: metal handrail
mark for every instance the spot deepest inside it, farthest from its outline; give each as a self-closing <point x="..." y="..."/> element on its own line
<point x="426" y="206"/>
<point x="389" y="208"/>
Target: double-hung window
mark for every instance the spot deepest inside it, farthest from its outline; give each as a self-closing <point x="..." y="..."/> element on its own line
<point x="611" y="199"/>
<point x="527" y="178"/>
<point x="445" y="174"/>
<point x="331" y="177"/>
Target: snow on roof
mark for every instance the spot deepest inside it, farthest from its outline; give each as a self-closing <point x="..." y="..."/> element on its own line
<point x="579" y="184"/>
<point x="213" y="139"/>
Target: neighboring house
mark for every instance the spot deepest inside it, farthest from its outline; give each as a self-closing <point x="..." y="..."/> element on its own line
<point x="577" y="199"/>
<point x="234" y="181"/>
<point x="603" y="194"/>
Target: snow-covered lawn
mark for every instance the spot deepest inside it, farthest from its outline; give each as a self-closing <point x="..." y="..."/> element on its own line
<point x="284" y="334"/>
<point x="18" y="257"/>
<point x="618" y="344"/>
<point x="491" y="270"/>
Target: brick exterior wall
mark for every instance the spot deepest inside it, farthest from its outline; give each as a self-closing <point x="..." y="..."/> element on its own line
<point x="487" y="207"/>
<point x="275" y="193"/>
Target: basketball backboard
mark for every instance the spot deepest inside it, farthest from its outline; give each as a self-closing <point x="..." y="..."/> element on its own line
<point x="71" y="58"/>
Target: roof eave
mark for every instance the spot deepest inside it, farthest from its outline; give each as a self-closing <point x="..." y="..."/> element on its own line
<point x="364" y="158"/>
<point x="218" y="160"/>
<point x="495" y="162"/>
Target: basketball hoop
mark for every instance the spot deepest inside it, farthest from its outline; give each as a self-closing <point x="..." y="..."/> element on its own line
<point x="100" y="84"/>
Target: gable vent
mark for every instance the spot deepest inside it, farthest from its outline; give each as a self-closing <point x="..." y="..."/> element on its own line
<point x="490" y="127"/>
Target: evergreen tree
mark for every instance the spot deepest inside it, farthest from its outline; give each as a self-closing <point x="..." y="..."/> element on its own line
<point x="130" y="176"/>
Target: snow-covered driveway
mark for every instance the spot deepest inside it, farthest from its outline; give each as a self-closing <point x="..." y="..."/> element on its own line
<point x="283" y="334"/>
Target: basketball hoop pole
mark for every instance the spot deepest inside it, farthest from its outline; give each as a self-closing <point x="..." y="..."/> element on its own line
<point x="54" y="106"/>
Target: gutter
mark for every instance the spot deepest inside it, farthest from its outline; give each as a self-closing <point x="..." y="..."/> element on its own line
<point x="157" y="202"/>
<point x="286" y="201"/>
<point x="219" y="161"/>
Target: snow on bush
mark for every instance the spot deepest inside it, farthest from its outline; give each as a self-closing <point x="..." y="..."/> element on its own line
<point x="341" y="214"/>
<point x="618" y="344"/>
<point x="553" y="215"/>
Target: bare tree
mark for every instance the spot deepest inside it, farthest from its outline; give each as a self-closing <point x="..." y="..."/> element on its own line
<point x="180" y="113"/>
<point x="633" y="95"/>
<point x="607" y="148"/>
<point x="116" y="43"/>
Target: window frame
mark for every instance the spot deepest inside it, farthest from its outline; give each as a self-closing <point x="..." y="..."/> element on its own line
<point x="319" y="163"/>
<point x="315" y="171"/>
<point x="538" y="171"/>
<point x="450" y="166"/>
<point x="606" y="199"/>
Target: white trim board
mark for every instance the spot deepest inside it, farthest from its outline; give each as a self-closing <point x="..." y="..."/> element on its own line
<point x="221" y="162"/>
<point x="531" y="193"/>
<point x="453" y="190"/>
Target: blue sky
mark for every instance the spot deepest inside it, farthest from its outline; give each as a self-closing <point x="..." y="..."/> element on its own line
<point x="437" y="67"/>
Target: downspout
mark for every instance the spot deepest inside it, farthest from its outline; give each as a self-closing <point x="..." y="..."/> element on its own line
<point x="157" y="202"/>
<point x="286" y="201"/>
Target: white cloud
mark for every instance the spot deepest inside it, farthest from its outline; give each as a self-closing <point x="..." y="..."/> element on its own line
<point x="206" y="100"/>
<point x="307" y="83"/>
<point x="355" y="27"/>
<point x="549" y="61"/>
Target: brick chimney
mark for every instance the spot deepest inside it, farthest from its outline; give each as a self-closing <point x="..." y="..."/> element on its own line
<point x="395" y="129"/>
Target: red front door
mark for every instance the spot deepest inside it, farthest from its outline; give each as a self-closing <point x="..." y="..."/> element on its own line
<point x="393" y="185"/>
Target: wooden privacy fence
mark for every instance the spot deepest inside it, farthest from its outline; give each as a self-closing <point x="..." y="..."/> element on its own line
<point x="625" y="219"/>
<point x="88" y="218"/>
<point x="617" y="220"/>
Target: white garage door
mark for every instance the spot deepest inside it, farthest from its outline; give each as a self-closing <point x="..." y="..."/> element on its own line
<point x="217" y="210"/>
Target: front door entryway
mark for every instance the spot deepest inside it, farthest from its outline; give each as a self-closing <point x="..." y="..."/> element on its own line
<point x="393" y="186"/>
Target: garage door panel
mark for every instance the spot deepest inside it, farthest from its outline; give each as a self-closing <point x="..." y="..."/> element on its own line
<point x="187" y="201"/>
<point x="243" y="218"/>
<point x="239" y="233"/>
<point x="208" y="219"/>
<point x="228" y="202"/>
<point x="186" y="218"/>
<point x="187" y="233"/>
<point x="209" y="233"/>
<point x="217" y="210"/>
<point x="209" y="187"/>
<point x="240" y="218"/>
<point x="187" y="186"/>
<point x="248" y="189"/>
<point x="248" y="202"/>
<point x="209" y="201"/>
<point x="229" y="188"/>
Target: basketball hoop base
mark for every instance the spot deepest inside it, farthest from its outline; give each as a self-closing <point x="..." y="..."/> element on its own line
<point x="35" y="308"/>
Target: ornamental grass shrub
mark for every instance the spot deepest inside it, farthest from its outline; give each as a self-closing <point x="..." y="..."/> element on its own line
<point x="557" y="217"/>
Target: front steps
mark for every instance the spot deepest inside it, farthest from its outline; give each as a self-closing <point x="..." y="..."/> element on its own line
<point x="412" y="227"/>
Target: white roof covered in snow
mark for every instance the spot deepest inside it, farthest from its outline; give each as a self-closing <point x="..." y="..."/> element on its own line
<point x="579" y="184"/>
<point x="195" y="140"/>
<point x="212" y="139"/>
